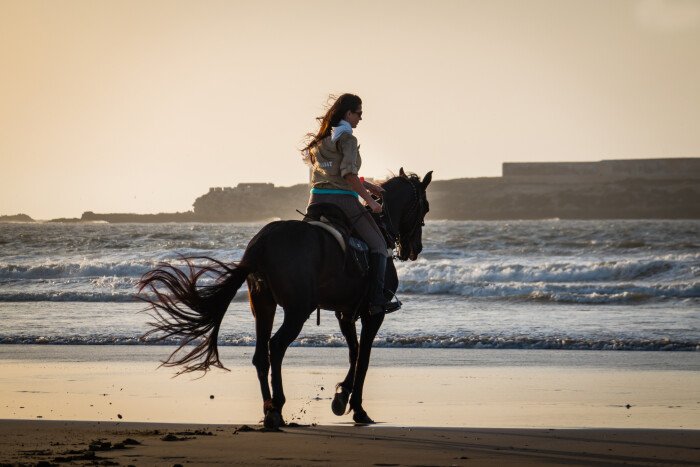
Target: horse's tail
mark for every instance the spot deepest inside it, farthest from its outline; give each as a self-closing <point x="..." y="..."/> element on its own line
<point x="182" y="309"/>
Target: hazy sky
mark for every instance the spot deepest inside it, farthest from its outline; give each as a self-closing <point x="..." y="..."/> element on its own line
<point x="141" y="106"/>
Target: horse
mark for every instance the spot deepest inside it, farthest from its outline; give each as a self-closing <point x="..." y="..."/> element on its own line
<point x="300" y="267"/>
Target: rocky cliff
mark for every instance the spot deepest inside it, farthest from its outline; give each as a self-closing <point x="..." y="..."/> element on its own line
<point x="487" y="199"/>
<point x="16" y="218"/>
<point x="497" y="198"/>
<point x="615" y="189"/>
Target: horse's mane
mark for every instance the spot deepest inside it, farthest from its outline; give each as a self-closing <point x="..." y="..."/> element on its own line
<point x="415" y="181"/>
<point x="410" y="176"/>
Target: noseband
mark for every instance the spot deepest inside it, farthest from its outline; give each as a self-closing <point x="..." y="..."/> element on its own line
<point x="417" y="206"/>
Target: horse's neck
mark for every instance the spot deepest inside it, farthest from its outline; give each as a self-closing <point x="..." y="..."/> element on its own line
<point x="399" y="200"/>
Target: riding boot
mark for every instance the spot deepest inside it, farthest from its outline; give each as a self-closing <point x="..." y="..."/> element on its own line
<point x="381" y="300"/>
<point x="377" y="271"/>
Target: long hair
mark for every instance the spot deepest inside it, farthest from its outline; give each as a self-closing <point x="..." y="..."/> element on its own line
<point x="332" y="117"/>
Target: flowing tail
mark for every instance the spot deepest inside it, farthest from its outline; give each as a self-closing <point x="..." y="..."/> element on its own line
<point x="182" y="309"/>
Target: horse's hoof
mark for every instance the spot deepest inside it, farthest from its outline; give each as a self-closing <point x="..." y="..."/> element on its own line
<point x="273" y="420"/>
<point x="340" y="401"/>
<point x="360" y="416"/>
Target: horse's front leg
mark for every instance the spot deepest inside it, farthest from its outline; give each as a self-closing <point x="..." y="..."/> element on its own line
<point x="370" y="327"/>
<point x="344" y="388"/>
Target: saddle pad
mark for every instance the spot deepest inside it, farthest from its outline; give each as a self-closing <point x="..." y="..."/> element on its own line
<point x="332" y="231"/>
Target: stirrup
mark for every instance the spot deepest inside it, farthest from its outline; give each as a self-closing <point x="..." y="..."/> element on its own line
<point x="388" y="307"/>
<point x="391" y="307"/>
<point x="393" y="304"/>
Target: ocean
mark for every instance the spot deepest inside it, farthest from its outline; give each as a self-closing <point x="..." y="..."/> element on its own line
<point x="526" y="285"/>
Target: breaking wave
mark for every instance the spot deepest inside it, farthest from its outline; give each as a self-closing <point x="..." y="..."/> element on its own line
<point x="396" y="341"/>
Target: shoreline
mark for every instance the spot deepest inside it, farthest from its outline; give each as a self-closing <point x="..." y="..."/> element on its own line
<point x="158" y="444"/>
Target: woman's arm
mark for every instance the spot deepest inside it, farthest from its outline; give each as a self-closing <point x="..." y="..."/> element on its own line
<point x="376" y="190"/>
<point x="359" y="188"/>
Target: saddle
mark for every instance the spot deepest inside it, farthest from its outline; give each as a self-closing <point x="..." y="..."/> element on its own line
<point x="332" y="219"/>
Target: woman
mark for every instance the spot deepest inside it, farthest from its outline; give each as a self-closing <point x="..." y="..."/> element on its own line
<point x="334" y="156"/>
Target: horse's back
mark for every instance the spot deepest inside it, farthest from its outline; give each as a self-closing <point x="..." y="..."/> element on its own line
<point x="284" y="240"/>
<point x="292" y="256"/>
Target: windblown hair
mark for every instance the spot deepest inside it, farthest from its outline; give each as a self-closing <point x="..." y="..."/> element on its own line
<point x="332" y="117"/>
<point x="199" y="320"/>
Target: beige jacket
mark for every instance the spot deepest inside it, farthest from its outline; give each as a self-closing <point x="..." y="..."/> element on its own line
<point x="333" y="161"/>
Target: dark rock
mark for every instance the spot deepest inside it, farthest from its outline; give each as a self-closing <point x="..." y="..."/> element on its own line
<point x="243" y="429"/>
<point x="85" y="456"/>
<point x="130" y="442"/>
<point x="172" y="437"/>
<point x="100" y="446"/>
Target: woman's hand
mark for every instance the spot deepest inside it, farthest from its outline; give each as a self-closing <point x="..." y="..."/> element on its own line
<point x="374" y="206"/>
<point x="359" y="188"/>
<point x="376" y="190"/>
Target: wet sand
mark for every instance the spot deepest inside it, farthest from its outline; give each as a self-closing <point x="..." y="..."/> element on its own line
<point x="488" y="414"/>
<point x="493" y="397"/>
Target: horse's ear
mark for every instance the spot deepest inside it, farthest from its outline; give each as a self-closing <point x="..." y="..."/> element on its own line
<point x="401" y="172"/>
<point x="427" y="179"/>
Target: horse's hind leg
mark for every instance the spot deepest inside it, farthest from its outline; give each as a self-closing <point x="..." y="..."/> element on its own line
<point x="343" y="389"/>
<point x="285" y="335"/>
<point x="263" y="306"/>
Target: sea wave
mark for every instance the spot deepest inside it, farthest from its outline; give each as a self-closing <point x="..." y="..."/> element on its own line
<point x="559" y="293"/>
<point x="395" y="341"/>
<point x="72" y="269"/>
<point x="515" y="292"/>
<point x="621" y="281"/>
<point x="118" y="296"/>
<point x="127" y="268"/>
<point x="567" y="280"/>
<point x="463" y="271"/>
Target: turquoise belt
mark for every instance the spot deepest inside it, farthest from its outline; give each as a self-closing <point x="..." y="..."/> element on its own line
<point x="329" y="191"/>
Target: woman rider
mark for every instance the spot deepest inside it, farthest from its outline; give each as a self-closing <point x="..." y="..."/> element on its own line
<point x="334" y="156"/>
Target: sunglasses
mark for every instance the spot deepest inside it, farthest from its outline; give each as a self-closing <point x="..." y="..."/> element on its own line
<point x="359" y="114"/>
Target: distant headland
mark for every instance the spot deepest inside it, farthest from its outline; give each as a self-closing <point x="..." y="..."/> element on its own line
<point x="609" y="189"/>
<point x="16" y="218"/>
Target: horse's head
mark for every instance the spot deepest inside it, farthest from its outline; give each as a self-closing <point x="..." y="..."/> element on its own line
<point x="405" y="207"/>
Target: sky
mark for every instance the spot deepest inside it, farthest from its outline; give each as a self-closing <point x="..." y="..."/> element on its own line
<point x="141" y="106"/>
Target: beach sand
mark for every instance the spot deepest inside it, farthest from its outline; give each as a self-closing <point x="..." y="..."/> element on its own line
<point x="114" y="443"/>
<point x="54" y="407"/>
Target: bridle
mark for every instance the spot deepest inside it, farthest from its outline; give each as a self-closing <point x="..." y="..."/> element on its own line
<point x="417" y="207"/>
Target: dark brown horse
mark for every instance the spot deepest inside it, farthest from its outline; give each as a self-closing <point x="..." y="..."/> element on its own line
<point x="295" y="265"/>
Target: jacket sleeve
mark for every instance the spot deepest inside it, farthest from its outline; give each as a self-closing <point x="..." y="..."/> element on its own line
<point x="349" y="164"/>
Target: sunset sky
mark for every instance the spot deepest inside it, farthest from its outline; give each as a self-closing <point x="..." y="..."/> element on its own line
<point x="141" y="106"/>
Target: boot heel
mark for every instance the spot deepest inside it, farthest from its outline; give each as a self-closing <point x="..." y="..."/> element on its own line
<point x="392" y="307"/>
